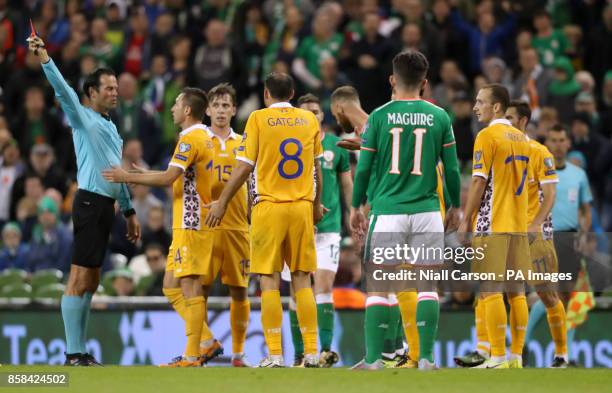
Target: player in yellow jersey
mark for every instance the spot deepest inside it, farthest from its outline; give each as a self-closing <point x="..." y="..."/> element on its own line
<point x="191" y="249"/>
<point x="542" y="191"/>
<point x="230" y="255"/>
<point x="496" y="211"/>
<point x="281" y="146"/>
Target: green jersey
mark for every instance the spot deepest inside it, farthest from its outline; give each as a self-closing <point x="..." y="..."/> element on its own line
<point x="335" y="161"/>
<point x="313" y="51"/>
<point x="401" y="146"/>
<point x="550" y="48"/>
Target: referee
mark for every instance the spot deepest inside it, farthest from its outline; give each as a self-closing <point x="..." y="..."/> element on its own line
<point x="98" y="146"/>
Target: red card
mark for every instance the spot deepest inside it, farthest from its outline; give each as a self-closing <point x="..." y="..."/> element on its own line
<point x="33" y="32"/>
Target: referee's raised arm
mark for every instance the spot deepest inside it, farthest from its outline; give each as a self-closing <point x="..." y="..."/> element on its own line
<point x="67" y="97"/>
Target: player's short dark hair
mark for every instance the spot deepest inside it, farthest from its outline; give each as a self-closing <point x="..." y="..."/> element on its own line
<point x="93" y="79"/>
<point x="522" y="108"/>
<point x="345" y="93"/>
<point x="499" y="95"/>
<point x="195" y="99"/>
<point x="280" y="85"/>
<point x="411" y="67"/>
<point x="308" y="98"/>
<point x="541" y="13"/>
<point x="220" y="90"/>
<point x="558" y="127"/>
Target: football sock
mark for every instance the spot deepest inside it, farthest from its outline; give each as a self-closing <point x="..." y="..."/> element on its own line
<point x="391" y="335"/>
<point x="537" y="312"/>
<point x="497" y="321"/>
<point x="325" y="319"/>
<point x="296" y="334"/>
<point x="399" y="337"/>
<point x="519" y="316"/>
<point x="427" y="316"/>
<point x="557" y="323"/>
<point x="72" y="314"/>
<point x="408" y="304"/>
<point x="570" y="343"/>
<point x="85" y="320"/>
<point x="376" y="324"/>
<point x="480" y="320"/>
<point x="272" y="320"/>
<point x="193" y="325"/>
<point x="177" y="300"/>
<point x="239" y="319"/>
<point x="306" y="310"/>
<point x="206" y="337"/>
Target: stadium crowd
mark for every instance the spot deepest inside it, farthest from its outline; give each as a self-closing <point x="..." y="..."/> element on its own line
<point x="556" y="55"/>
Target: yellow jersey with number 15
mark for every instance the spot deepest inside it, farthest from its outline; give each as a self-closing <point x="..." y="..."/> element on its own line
<point x="282" y="143"/>
<point x="221" y="166"/>
<point x="501" y="156"/>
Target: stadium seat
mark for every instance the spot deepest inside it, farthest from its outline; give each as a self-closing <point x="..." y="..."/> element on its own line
<point x="45" y="277"/>
<point x="16" y="290"/>
<point x="49" y="291"/>
<point x="12" y="276"/>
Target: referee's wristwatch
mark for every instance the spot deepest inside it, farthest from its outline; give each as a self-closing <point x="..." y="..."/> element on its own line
<point x="129" y="212"/>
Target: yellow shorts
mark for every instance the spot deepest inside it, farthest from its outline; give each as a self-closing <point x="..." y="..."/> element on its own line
<point x="190" y="252"/>
<point x="543" y="258"/>
<point x="282" y="233"/>
<point x="230" y="255"/>
<point x="502" y="252"/>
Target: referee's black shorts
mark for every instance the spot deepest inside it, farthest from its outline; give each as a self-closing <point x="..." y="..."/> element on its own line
<point x="92" y="215"/>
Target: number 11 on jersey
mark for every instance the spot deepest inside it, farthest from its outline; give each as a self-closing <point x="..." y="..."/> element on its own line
<point x="418" y="150"/>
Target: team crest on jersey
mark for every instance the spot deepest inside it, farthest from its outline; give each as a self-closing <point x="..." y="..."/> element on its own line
<point x="477" y="155"/>
<point x="209" y="145"/>
<point x="328" y="159"/>
<point x="548" y="162"/>
<point x="184" y="147"/>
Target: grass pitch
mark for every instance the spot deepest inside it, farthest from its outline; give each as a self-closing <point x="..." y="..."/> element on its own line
<point x="228" y="380"/>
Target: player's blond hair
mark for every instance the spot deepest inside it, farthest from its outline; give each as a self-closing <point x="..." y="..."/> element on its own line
<point x="345" y="93"/>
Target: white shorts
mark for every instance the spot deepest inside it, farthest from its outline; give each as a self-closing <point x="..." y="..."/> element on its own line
<point x="328" y="253"/>
<point x="416" y="239"/>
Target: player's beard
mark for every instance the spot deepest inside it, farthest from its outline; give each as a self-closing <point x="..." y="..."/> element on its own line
<point x="345" y="125"/>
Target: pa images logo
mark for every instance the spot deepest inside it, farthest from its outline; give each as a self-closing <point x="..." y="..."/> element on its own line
<point x="184" y="147"/>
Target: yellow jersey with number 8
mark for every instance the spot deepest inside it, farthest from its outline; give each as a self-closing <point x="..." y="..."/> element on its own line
<point x="281" y="142"/>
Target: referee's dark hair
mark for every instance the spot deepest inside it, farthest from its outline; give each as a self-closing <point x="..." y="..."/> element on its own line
<point x="410" y="67"/>
<point x="197" y="100"/>
<point x="280" y="86"/>
<point x="93" y="79"/>
<point x="558" y="127"/>
<point x="522" y="108"/>
<point x="499" y="95"/>
<point x="308" y="98"/>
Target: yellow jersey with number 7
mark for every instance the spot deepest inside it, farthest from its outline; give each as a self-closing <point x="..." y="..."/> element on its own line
<point x="281" y="142"/>
<point x="501" y="156"/>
